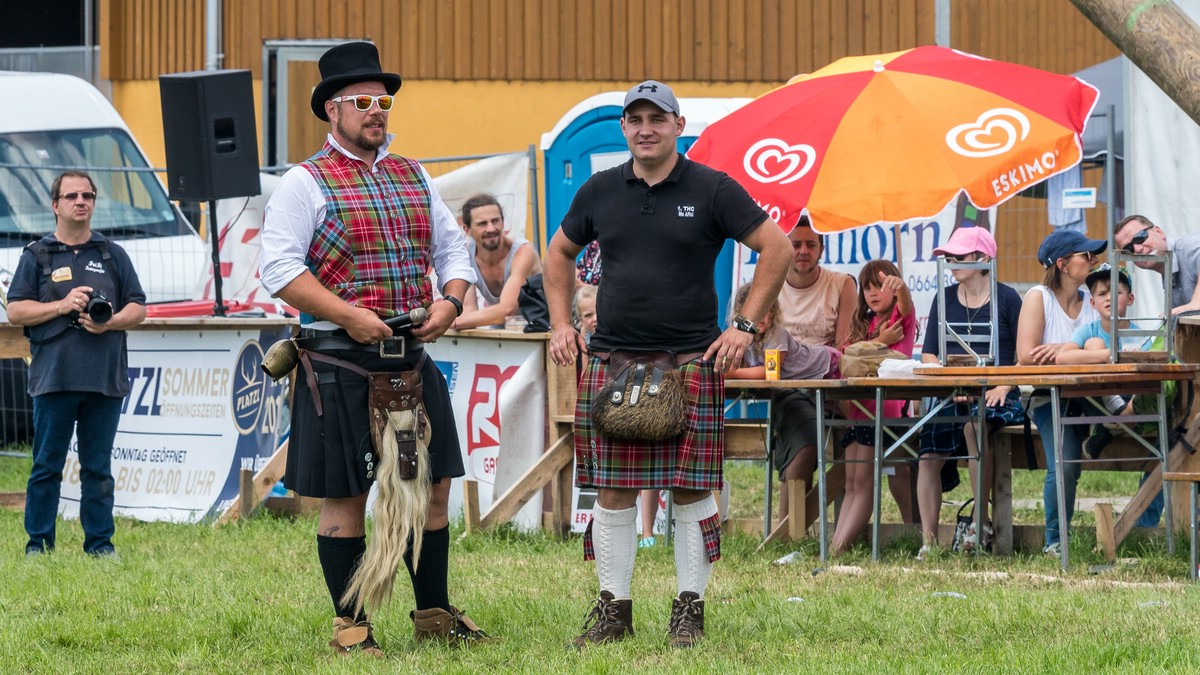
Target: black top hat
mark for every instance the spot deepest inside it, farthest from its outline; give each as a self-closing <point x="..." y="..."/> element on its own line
<point x="347" y="64"/>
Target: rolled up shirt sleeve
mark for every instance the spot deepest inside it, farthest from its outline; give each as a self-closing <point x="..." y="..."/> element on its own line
<point x="292" y="214"/>
<point x="449" y="249"/>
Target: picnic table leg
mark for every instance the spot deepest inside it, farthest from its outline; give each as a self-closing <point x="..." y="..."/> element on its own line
<point x="1064" y="523"/>
<point x="769" y="478"/>
<point x="999" y="453"/>
<point x="823" y="526"/>
<point x="980" y="437"/>
<point x="1195" y="571"/>
<point x="878" y="492"/>
<point x="1164" y="447"/>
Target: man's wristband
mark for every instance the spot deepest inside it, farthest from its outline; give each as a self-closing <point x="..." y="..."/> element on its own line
<point x="457" y="304"/>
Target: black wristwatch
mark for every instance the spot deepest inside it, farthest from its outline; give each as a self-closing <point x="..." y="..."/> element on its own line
<point x="745" y="325"/>
<point x="456" y="302"/>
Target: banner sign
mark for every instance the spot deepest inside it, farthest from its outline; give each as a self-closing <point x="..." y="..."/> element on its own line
<point x="200" y="409"/>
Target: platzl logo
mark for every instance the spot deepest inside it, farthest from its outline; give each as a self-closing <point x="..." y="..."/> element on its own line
<point x="483" y="408"/>
<point x="994" y="133"/>
<point x="772" y="160"/>
<point x="687" y="211"/>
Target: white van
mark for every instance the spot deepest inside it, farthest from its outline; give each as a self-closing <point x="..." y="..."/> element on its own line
<point x="50" y="123"/>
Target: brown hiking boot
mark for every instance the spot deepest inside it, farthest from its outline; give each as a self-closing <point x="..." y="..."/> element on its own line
<point x="611" y="620"/>
<point x="453" y="628"/>
<point x="687" y="620"/>
<point x="350" y="636"/>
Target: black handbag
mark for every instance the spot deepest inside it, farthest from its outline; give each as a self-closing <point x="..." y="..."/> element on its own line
<point x="532" y="303"/>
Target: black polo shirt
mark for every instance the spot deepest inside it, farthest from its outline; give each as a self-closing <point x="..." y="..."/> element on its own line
<point x="659" y="244"/>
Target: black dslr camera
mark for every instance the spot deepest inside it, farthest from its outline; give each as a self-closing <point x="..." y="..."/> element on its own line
<point x="98" y="308"/>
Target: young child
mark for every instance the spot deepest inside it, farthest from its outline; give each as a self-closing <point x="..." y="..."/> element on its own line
<point x="799" y="361"/>
<point x="884" y="314"/>
<point x="1091" y="344"/>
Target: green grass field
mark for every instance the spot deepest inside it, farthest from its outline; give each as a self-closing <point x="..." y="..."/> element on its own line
<point x="248" y="598"/>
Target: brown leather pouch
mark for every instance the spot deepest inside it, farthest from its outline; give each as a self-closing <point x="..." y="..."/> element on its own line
<point x="397" y="392"/>
<point x="642" y="397"/>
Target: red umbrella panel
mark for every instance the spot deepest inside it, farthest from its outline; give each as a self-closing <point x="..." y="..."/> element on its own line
<point x="896" y="137"/>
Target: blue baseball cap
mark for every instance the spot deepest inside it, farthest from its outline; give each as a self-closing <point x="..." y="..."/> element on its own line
<point x="1062" y="243"/>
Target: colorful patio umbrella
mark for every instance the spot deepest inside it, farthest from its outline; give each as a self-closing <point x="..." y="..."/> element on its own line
<point x="896" y="137"/>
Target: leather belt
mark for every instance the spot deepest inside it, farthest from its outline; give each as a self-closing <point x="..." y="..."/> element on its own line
<point x="396" y="347"/>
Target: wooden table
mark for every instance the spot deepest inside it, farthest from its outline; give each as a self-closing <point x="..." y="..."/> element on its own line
<point x="1193" y="479"/>
<point x="947" y="383"/>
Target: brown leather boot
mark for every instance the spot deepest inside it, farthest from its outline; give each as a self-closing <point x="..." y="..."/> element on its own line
<point x="453" y="628"/>
<point x="611" y="620"/>
<point x="687" y="620"/>
<point x="350" y="636"/>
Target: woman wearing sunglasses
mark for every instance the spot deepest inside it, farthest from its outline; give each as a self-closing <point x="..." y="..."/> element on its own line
<point x="969" y="302"/>
<point x="1136" y="234"/>
<point x="1051" y="313"/>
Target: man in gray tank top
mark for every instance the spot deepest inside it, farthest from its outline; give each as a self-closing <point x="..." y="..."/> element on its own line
<point x="502" y="262"/>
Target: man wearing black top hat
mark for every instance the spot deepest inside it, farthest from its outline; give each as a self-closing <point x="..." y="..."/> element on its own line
<point x="348" y="239"/>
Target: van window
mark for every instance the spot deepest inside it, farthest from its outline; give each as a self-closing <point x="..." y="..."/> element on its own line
<point x="131" y="204"/>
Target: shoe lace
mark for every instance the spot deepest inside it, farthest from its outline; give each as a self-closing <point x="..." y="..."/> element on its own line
<point x="463" y="628"/>
<point x="685" y="619"/>
<point x="602" y="615"/>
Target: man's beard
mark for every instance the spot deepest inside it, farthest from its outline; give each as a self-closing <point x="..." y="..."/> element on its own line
<point x="361" y="140"/>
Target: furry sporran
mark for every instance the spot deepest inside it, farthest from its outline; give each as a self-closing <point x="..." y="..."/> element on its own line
<point x="642" y="397"/>
<point x="400" y="434"/>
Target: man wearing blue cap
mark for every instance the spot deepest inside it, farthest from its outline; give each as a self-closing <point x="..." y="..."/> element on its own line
<point x="661" y="220"/>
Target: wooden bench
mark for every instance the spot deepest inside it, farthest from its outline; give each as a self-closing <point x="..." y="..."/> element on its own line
<point x="1192" y="480"/>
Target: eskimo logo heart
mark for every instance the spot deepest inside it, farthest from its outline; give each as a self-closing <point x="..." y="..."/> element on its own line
<point x="994" y="133"/>
<point x="774" y="161"/>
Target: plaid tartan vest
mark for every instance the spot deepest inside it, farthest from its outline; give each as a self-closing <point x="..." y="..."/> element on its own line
<point x="373" y="247"/>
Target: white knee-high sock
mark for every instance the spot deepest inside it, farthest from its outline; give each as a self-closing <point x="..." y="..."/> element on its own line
<point x="614" y="536"/>
<point x="692" y="567"/>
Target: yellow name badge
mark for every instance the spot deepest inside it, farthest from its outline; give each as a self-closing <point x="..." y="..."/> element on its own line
<point x="61" y="274"/>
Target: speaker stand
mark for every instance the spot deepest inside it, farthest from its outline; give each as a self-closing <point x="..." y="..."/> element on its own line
<point x="214" y="233"/>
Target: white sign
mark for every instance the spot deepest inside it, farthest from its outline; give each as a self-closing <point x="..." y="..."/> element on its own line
<point x="200" y="410"/>
<point x="1079" y="198"/>
<point x="498" y="389"/>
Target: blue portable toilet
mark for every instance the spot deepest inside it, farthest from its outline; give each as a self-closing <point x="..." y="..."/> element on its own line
<point x="588" y="139"/>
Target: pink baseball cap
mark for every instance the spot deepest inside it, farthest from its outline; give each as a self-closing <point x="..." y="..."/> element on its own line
<point x="966" y="240"/>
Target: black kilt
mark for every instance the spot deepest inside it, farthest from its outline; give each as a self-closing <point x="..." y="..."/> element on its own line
<point x="328" y="454"/>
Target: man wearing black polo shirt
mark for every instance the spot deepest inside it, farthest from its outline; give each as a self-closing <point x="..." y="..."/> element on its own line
<point x="661" y="220"/>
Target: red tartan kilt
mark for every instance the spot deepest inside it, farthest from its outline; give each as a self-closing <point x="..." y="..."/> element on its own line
<point x="692" y="461"/>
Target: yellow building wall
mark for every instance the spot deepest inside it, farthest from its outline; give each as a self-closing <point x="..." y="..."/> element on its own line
<point x="440" y="118"/>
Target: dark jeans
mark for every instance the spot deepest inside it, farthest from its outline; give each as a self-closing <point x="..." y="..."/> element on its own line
<point x="55" y="417"/>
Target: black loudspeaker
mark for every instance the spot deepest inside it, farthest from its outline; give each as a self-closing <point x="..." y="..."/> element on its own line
<point x="211" y="141"/>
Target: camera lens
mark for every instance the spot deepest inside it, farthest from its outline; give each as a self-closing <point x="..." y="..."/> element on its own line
<point x="98" y="308"/>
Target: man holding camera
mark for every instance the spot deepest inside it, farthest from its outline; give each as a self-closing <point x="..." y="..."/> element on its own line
<point x="76" y="293"/>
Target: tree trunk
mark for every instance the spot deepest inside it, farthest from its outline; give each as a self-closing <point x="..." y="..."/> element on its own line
<point x="1159" y="39"/>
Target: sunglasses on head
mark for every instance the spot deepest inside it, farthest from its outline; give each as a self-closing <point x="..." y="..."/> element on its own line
<point x="363" y="102"/>
<point x="72" y="196"/>
<point x="1139" y="238"/>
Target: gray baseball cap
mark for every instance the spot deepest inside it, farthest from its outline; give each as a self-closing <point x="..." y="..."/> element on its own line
<point x="656" y="92"/>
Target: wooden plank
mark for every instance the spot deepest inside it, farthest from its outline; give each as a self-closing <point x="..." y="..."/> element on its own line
<point x="246" y="500"/>
<point x="1189" y="476"/>
<point x="745" y="440"/>
<point x="862" y="27"/>
<point x="1002" y="507"/>
<point x="543" y="470"/>
<point x="262" y="482"/>
<point x="737" y="39"/>
<point x="1089" y="369"/>
<point x="1105" y="538"/>
<point x="561" y="508"/>
<point x="797" y="514"/>
<point x="12" y="501"/>
<point x="470" y="506"/>
<point x="1180" y="491"/>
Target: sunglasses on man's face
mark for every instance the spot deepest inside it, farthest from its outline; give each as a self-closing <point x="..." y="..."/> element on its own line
<point x="72" y="196"/>
<point x="1138" y="239"/>
<point x="363" y="102"/>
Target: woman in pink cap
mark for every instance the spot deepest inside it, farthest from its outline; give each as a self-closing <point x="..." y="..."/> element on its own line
<point x="967" y="302"/>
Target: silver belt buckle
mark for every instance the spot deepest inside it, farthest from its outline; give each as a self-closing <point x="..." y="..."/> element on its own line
<point x="387" y="349"/>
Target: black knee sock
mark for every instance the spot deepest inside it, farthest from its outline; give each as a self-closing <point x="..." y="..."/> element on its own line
<point x="339" y="556"/>
<point x="429" y="582"/>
